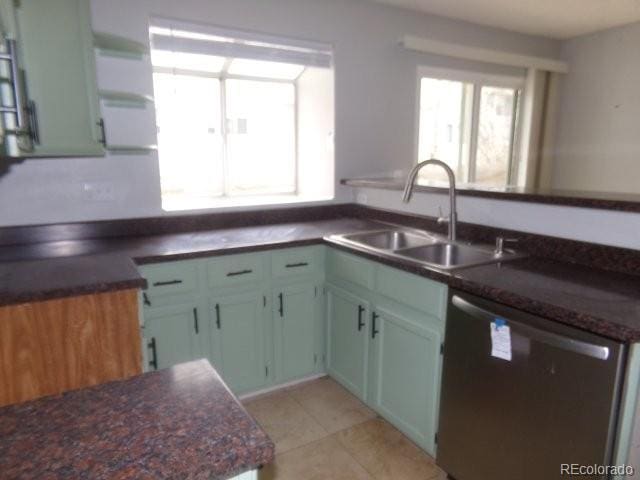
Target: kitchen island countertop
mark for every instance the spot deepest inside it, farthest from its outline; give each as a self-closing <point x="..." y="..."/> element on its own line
<point x="182" y="422"/>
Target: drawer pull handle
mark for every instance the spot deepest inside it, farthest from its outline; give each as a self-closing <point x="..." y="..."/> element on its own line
<point x="240" y="272"/>
<point x="218" y="323"/>
<point x="196" y="325"/>
<point x="360" y="321"/>
<point x="168" y="282"/>
<point x="374" y="331"/>
<point x="154" y="353"/>
<point x="281" y="309"/>
<point x="145" y="299"/>
<point x="296" y="265"/>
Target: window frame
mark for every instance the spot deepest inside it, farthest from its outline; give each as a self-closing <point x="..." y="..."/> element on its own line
<point x="222" y="76"/>
<point x="477" y="80"/>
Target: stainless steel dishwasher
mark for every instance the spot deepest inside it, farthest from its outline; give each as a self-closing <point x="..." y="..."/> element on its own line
<point x="519" y="404"/>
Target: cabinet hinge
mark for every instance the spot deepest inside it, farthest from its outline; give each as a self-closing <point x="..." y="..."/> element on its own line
<point x="441" y="348"/>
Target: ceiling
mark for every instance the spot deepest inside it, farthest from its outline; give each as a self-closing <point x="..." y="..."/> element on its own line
<point x="560" y="19"/>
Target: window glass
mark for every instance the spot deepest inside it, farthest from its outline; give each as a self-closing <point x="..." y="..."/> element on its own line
<point x="444" y="124"/>
<point x="471" y="126"/>
<point x="229" y="117"/>
<point x="189" y="135"/>
<point x="495" y="136"/>
<point x="261" y="139"/>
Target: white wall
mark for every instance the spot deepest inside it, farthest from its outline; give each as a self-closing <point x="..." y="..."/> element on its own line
<point x="375" y="97"/>
<point x="598" y="133"/>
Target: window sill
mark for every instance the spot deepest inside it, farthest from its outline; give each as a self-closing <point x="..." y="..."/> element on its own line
<point x="182" y="203"/>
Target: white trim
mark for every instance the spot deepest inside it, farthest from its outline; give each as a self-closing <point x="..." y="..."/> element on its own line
<point x="481" y="54"/>
<point x="225" y="33"/>
<point x="281" y="386"/>
<point x="470" y="76"/>
<point x="179" y="36"/>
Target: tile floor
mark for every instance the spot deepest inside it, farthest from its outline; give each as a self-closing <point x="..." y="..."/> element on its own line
<point x="321" y="431"/>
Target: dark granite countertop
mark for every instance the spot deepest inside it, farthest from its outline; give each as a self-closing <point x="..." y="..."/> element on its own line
<point x="182" y="422"/>
<point x="44" y="271"/>
<point x="33" y="280"/>
<point x="603" y="302"/>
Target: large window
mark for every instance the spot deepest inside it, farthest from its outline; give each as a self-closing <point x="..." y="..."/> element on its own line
<point x="228" y="120"/>
<point x="469" y="122"/>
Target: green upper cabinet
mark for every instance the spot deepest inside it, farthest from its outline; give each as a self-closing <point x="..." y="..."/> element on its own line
<point x="295" y="331"/>
<point x="347" y="339"/>
<point x="405" y="373"/>
<point x="55" y="52"/>
<point x="171" y="335"/>
<point x="238" y="340"/>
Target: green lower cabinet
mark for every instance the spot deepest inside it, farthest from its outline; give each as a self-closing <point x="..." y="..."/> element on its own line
<point x="405" y="374"/>
<point x="171" y="334"/>
<point x="238" y="338"/>
<point x="347" y="339"/>
<point x="294" y="313"/>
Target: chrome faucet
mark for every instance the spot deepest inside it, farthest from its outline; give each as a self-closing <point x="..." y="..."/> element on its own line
<point x="408" y="190"/>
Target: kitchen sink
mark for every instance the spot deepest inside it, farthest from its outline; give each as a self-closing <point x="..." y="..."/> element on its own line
<point x="450" y="255"/>
<point x="425" y="249"/>
<point x="390" y="239"/>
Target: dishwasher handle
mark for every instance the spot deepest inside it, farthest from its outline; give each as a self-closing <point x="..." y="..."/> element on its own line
<point x="577" y="346"/>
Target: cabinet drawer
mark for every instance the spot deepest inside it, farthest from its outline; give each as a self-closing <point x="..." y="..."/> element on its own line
<point x="295" y="261"/>
<point x="412" y="290"/>
<point x="350" y="268"/>
<point x="236" y="269"/>
<point x="173" y="278"/>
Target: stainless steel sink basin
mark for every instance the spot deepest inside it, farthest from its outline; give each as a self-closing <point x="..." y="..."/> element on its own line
<point x="430" y="251"/>
<point x="390" y="239"/>
<point x="450" y="255"/>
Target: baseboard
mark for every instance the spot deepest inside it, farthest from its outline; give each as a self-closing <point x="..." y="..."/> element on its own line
<point x="281" y="386"/>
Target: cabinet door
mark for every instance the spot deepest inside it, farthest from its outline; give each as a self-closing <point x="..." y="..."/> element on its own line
<point x="294" y="324"/>
<point x="171" y="335"/>
<point x="238" y="337"/>
<point x="56" y="49"/>
<point x="347" y="339"/>
<point x="405" y="374"/>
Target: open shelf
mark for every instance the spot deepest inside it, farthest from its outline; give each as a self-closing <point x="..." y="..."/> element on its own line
<point x="111" y="45"/>
<point x="131" y="149"/>
<point x="112" y="98"/>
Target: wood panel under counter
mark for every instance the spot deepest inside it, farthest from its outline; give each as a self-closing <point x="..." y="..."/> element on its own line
<point x="49" y="347"/>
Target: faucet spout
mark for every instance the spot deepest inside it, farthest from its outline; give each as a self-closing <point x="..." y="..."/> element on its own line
<point x="409" y="185"/>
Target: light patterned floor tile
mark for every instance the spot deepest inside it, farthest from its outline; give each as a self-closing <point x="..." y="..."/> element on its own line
<point x="325" y="459"/>
<point x="285" y="421"/>
<point x="386" y="453"/>
<point x="331" y="405"/>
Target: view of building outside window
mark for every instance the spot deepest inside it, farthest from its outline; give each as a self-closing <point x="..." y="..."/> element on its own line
<point x="495" y="136"/>
<point x="469" y="126"/>
<point x="444" y="125"/>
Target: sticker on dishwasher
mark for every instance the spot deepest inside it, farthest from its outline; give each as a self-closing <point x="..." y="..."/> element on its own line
<point x="500" y="339"/>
